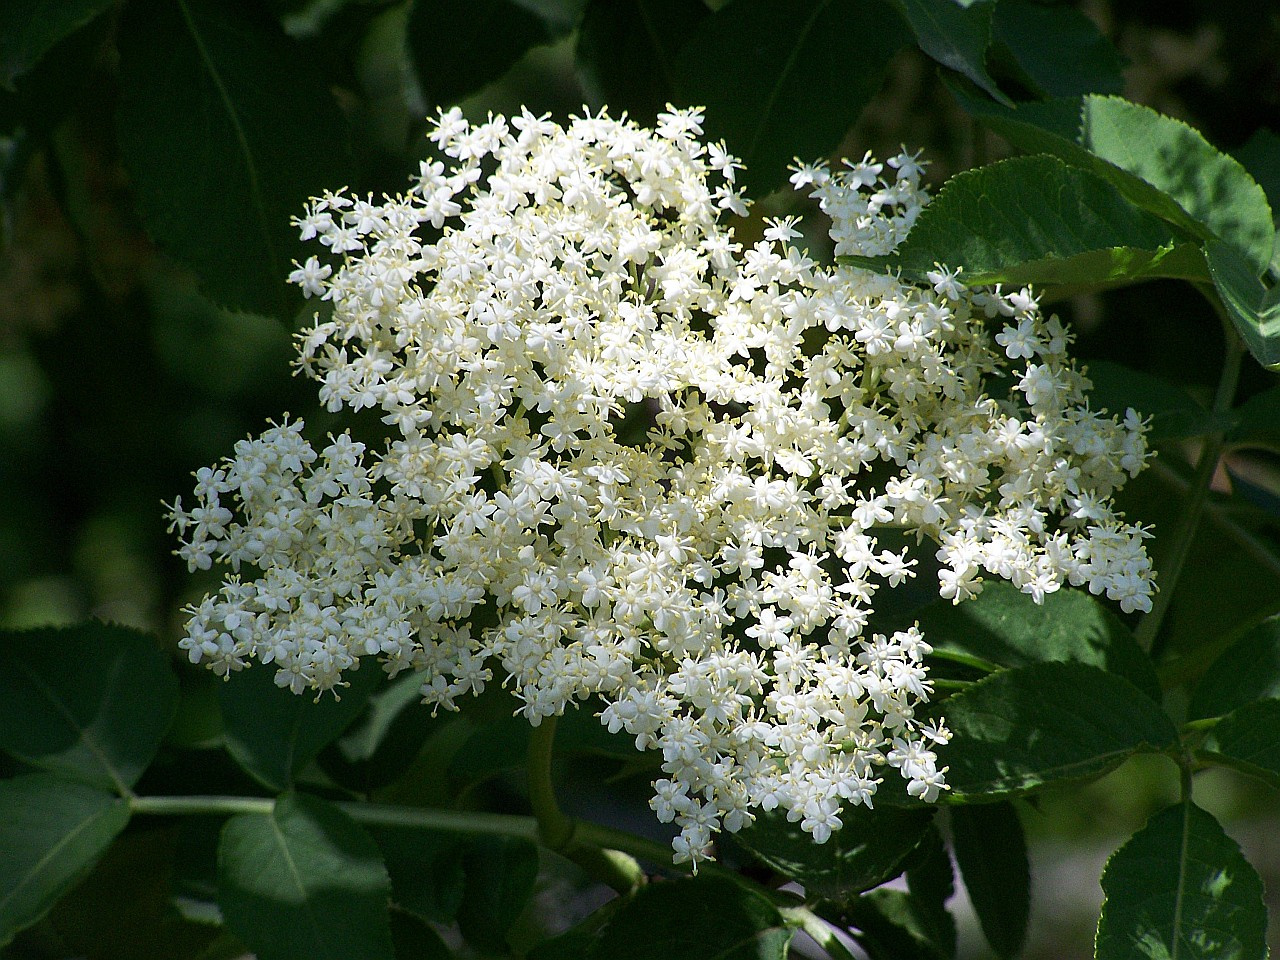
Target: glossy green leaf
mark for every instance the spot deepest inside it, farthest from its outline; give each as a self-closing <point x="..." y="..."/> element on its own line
<point x="501" y="873"/>
<point x="871" y="847"/>
<point x="275" y="734"/>
<point x="1160" y="164"/>
<point x="1004" y="626"/>
<point x="1055" y="50"/>
<point x="786" y="78"/>
<point x="956" y="36"/>
<point x="1253" y="308"/>
<point x="1248" y="738"/>
<point x="707" y="917"/>
<point x="1181" y="888"/>
<point x="1038" y="220"/>
<point x="52" y="831"/>
<point x="304" y="883"/>
<point x="991" y="853"/>
<point x="1174" y="413"/>
<point x="90" y="702"/>
<point x="1248" y="670"/>
<point x="460" y="46"/>
<point x="226" y="128"/>
<point x="30" y="28"/>
<point x="626" y="53"/>
<point x="1020" y="729"/>
<point x="1257" y="421"/>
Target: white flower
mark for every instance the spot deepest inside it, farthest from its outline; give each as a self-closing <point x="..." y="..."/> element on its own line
<point x="629" y="459"/>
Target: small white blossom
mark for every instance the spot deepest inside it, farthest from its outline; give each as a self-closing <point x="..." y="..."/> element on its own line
<point x="656" y="463"/>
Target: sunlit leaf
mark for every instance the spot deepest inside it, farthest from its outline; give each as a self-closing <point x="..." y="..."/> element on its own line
<point x="1253" y="308"/>
<point x="1039" y="220"/>
<point x="1180" y="888"/>
<point x="1020" y="729"/>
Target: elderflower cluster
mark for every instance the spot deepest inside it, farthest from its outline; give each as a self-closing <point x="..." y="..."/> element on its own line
<point x="632" y="459"/>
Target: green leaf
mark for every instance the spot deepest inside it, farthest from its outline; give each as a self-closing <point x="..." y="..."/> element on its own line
<point x="460" y="46"/>
<point x="501" y="873"/>
<point x="956" y="36"/>
<point x="31" y="28"/>
<point x="415" y="939"/>
<point x="1181" y="888"/>
<point x="786" y="78"/>
<point x="1055" y="50"/>
<point x="1248" y="738"/>
<point x="991" y="852"/>
<point x="1254" y="310"/>
<point x="52" y="832"/>
<point x="1248" y="670"/>
<point x="694" y="918"/>
<point x="90" y="702"/>
<point x="891" y="925"/>
<point x="304" y="883"/>
<point x="275" y="734"/>
<point x="1160" y="164"/>
<point x="1020" y="729"/>
<point x="931" y="883"/>
<point x="871" y="847"/>
<point x="1038" y="220"/>
<point x="1261" y="157"/>
<point x="384" y="740"/>
<point x="1257" y="421"/>
<point x="1004" y="626"/>
<point x="1174" y="413"/>
<point x="226" y="128"/>
<point x="626" y="52"/>
<point x="428" y="877"/>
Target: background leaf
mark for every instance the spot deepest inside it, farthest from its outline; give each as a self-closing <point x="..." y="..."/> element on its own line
<point x="694" y="918"/>
<point x="1248" y="738"/>
<point x="459" y="46"/>
<point x="501" y="872"/>
<point x="30" y="28"/>
<point x="1180" y="888"/>
<point x="1020" y="729"/>
<point x="1004" y="626"/>
<point x="1257" y="421"/>
<point x="226" y="127"/>
<point x="52" y="832"/>
<point x="90" y="702"/>
<point x="1055" y="50"/>
<point x="627" y="49"/>
<point x="1248" y="670"/>
<point x="991" y="853"/>
<point x="1038" y="220"/>
<point x="1174" y="413"/>
<point x="786" y="78"/>
<point x="871" y="847"/>
<point x="275" y="734"/>
<point x="304" y="883"/>
<point x="956" y="35"/>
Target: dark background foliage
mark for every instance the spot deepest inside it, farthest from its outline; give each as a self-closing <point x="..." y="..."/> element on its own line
<point x="145" y="325"/>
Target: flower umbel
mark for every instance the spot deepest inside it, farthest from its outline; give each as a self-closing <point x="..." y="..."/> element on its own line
<point x="631" y="459"/>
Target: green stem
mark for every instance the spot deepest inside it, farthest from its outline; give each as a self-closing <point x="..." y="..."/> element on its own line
<point x="817" y="928"/>
<point x="1198" y="495"/>
<point x="554" y="828"/>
